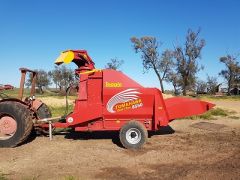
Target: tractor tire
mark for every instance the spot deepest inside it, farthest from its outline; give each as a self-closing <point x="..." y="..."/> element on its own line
<point x="44" y="112"/>
<point x="19" y="115"/>
<point x="133" y="135"/>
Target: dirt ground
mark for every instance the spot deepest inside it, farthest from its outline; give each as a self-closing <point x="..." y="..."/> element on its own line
<point x="187" y="149"/>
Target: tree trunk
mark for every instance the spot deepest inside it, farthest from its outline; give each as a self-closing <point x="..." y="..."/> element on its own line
<point x="161" y="84"/>
<point x="175" y="89"/>
<point x="184" y="91"/>
<point x="40" y="90"/>
<point x="184" y="87"/>
<point x="159" y="78"/>
<point x="229" y="85"/>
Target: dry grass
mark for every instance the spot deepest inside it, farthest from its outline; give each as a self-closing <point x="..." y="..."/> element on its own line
<point x="165" y="96"/>
<point x="227" y="98"/>
<point x="215" y="113"/>
<point x="56" y="101"/>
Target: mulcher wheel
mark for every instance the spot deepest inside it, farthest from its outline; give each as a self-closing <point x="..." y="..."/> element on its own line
<point x="133" y="135"/>
<point x="15" y="123"/>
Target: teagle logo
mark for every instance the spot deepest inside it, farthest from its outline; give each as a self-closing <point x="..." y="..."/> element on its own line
<point x="113" y="84"/>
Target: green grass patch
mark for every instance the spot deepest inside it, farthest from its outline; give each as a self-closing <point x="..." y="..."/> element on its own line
<point x="3" y="176"/>
<point x="14" y="94"/>
<point x="218" y="112"/>
<point x="213" y="114"/>
<point x="60" y="111"/>
<point x="30" y="178"/>
<point x="11" y="93"/>
<point x="70" y="178"/>
<point x="234" y="117"/>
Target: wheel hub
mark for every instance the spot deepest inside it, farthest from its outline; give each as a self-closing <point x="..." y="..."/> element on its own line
<point x="133" y="136"/>
<point x="8" y="126"/>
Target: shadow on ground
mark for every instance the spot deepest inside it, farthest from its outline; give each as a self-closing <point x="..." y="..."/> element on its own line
<point x="31" y="138"/>
<point x="164" y="130"/>
<point x="113" y="135"/>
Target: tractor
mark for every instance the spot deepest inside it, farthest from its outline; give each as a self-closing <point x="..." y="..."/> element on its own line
<point x="107" y="100"/>
<point x="18" y="114"/>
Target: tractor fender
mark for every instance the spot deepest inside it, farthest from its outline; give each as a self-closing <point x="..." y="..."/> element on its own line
<point x="13" y="100"/>
<point x="36" y="103"/>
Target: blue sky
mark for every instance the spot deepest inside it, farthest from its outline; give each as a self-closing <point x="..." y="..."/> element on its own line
<point x="33" y="33"/>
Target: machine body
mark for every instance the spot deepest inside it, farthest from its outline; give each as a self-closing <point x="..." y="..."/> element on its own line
<point x="108" y="99"/>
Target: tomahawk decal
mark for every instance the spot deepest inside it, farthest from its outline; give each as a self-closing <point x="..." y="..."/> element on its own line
<point x="127" y="99"/>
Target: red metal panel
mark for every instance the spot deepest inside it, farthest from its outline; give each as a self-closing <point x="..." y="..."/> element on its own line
<point x="179" y="107"/>
<point x="90" y="107"/>
<point x="124" y="98"/>
<point x="82" y="93"/>
<point x="91" y="126"/>
<point x="116" y="124"/>
<point x="116" y="79"/>
<point x="161" y="117"/>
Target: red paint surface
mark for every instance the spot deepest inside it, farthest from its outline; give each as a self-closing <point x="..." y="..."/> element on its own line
<point x="108" y="99"/>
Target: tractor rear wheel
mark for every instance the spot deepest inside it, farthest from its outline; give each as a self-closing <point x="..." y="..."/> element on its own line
<point x="15" y="123"/>
<point x="133" y="135"/>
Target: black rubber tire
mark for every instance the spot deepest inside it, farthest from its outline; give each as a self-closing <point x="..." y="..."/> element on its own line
<point x="44" y="112"/>
<point x="133" y="125"/>
<point x="22" y="116"/>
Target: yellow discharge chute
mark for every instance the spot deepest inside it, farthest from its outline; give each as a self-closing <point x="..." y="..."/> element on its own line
<point x="65" y="57"/>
